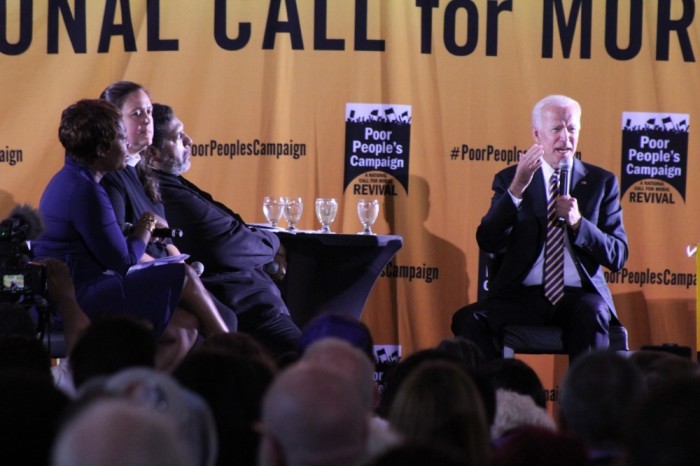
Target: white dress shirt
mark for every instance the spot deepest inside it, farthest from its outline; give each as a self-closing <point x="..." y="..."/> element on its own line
<point x="534" y="277"/>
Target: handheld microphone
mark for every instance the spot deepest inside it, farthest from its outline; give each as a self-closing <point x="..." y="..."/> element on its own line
<point x="198" y="267"/>
<point x="271" y="268"/>
<point x="157" y="232"/>
<point x="167" y="233"/>
<point x="564" y="167"/>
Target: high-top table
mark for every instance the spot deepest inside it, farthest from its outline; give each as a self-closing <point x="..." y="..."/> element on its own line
<point x="332" y="272"/>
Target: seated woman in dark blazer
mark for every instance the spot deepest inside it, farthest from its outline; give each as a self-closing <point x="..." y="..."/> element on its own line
<point x="81" y="229"/>
<point x="134" y="189"/>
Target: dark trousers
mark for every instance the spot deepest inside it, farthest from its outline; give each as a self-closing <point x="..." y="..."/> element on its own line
<point x="274" y="329"/>
<point x="226" y="313"/>
<point x="583" y="316"/>
<point x="260" y="312"/>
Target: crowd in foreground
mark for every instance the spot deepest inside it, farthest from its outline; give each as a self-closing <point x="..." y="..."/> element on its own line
<point x="230" y="402"/>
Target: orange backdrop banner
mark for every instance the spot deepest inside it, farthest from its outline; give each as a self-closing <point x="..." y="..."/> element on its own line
<point x="415" y="103"/>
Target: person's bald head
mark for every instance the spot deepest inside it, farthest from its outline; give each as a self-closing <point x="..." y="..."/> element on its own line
<point x="119" y="432"/>
<point x="313" y="416"/>
<point x="341" y="357"/>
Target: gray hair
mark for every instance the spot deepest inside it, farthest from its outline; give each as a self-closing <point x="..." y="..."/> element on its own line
<point x="555" y="99"/>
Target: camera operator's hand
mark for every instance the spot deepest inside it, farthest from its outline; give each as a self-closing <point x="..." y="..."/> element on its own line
<point x="58" y="281"/>
<point x="62" y="294"/>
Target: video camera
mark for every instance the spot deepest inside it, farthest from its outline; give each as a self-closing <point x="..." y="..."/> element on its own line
<point x="22" y="280"/>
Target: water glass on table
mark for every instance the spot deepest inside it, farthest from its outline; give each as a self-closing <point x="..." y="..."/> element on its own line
<point x="367" y="211"/>
<point x="272" y="209"/>
<point x="326" y="210"/>
<point x="293" y="206"/>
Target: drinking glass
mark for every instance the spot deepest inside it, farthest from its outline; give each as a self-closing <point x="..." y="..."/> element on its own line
<point x="292" y="211"/>
<point x="272" y="208"/>
<point x="367" y="210"/>
<point x="326" y="210"/>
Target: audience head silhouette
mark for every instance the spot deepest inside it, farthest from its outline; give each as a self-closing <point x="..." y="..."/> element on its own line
<point x="312" y="416"/>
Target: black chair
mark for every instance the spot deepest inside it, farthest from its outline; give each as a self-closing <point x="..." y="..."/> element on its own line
<point x="542" y="339"/>
<point x="529" y="339"/>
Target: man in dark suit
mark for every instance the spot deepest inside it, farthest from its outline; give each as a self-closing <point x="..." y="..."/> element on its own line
<point x="234" y="254"/>
<point x="528" y="221"/>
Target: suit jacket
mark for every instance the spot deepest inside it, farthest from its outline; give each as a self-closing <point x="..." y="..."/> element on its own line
<point x="516" y="235"/>
<point x="82" y="230"/>
<point x="233" y="253"/>
<point x="130" y="201"/>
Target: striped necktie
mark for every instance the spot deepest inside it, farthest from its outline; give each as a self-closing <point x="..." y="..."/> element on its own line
<point x="553" y="278"/>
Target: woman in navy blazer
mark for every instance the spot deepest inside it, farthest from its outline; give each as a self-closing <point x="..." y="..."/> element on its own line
<point x="82" y="230"/>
